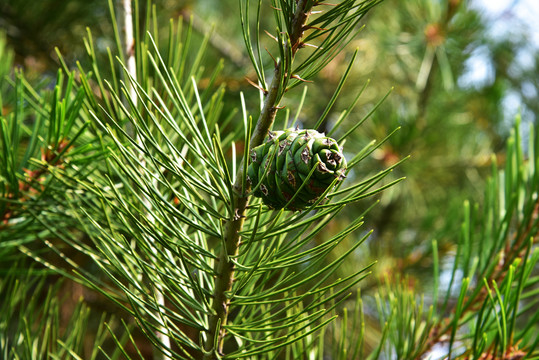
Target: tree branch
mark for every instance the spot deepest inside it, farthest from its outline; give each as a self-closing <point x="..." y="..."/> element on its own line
<point x="213" y="344"/>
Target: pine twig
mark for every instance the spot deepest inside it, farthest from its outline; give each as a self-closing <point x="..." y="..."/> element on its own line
<point x="131" y="66"/>
<point x="213" y="345"/>
<point x="512" y="250"/>
<point x="130" y="46"/>
<point x="50" y="158"/>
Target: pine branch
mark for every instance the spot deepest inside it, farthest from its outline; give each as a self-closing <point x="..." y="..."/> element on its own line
<point x="27" y="179"/>
<point x="131" y="68"/>
<point x="435" y="39"/>
<point x="225" y="267"/>
<point x="46" y="324"/>
<point x="515" y="248"/>
<point x="510" y="254"/>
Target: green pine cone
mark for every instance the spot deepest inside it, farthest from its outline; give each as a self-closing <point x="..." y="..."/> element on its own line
<point x="283" y="163"/>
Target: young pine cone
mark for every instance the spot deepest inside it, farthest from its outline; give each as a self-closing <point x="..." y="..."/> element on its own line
<point x="284" y="161"/>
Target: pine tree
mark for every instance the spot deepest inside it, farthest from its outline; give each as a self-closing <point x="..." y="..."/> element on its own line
<point x="185" y="221"/>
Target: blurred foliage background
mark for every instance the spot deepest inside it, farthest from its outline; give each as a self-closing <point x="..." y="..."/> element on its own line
<point x="421" y="50"/>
